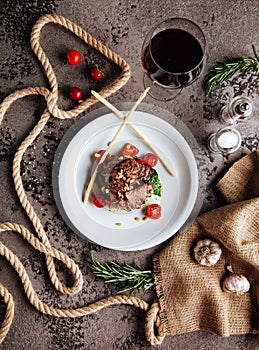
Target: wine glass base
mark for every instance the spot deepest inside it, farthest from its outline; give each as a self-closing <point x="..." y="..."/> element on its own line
<point x="158" y="92"/>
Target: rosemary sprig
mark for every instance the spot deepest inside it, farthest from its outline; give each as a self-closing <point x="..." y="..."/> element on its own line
<point x="226" y="70"/>
<point x="124" y="276"/>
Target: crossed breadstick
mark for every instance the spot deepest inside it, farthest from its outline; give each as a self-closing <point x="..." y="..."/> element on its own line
<point x="133" y="127"/>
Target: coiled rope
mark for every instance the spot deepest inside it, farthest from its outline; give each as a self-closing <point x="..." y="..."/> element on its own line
<point x="42" y="243"/>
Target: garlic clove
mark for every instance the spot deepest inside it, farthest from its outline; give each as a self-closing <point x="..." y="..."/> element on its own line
<point x="235" y="283"/>
<point x="207" y="252"/>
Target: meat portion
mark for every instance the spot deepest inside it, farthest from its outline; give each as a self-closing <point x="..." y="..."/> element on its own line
<point x="106" y="167"/>
<point x="127" y="175"/>
<point x="137" y="196"/>
<point x="124" y="182"/>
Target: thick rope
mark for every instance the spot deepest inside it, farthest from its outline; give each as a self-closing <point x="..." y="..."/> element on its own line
<point x="9" y="314"/>
<point x="153" y="323"/>
<point x="31" y="294"/>
<point x="42" y="243"/>
<point x="33" y="216"/>
<point x="88" y="39"/>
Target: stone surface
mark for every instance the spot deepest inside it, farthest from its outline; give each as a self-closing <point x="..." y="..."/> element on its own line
<point x="230" y="27"/>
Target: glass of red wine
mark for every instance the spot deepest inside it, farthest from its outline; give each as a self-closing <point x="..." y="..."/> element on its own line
<point x="172" y="57"/>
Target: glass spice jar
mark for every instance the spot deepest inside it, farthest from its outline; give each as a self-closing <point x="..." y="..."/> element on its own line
<point x="226" y="140"/>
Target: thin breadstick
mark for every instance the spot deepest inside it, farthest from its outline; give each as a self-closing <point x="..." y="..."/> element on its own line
<point x="104" y="155"/>
<point x="135" y="129"/>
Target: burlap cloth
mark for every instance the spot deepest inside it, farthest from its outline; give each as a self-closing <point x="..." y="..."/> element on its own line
<point x="189" y="294"/>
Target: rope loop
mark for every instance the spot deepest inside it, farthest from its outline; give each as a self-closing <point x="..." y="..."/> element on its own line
<point x="47" y="250"/>
<point x="89" y="40"/>
<point x="9" y="313"/>
<point x="154" y="329"/>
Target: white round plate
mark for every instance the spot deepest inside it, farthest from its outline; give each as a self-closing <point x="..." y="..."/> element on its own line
<point x="99" y="225"/>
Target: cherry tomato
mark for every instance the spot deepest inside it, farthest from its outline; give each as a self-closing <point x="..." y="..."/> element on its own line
<point x="98" y="154"/>
<point x="154" y="211"/>
<point x="99" y="201"/>
<point x="75" y="93"/>
<point x="129" y="150"/>
<point x="96" y="73"/>
<point x="151" y="159"/>
<point x="73" y="57"/>
<point x="141" y="161"/>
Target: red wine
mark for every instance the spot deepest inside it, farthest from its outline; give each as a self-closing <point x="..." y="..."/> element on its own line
<point x="173" y="58"/>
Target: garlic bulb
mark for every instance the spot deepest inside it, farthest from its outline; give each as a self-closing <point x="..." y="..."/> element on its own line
<point x="235" y="283"/>
<point x="207" y="252"/>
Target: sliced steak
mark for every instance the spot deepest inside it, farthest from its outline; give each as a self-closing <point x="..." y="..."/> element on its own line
<point x="137" y="196"/>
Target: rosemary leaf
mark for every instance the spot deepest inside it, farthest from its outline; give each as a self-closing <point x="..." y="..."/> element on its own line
<point x="226" y="70"/>
<point x="126" y="277"/>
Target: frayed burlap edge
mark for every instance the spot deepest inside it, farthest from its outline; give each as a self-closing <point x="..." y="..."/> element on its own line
<point x="160" y="292"/>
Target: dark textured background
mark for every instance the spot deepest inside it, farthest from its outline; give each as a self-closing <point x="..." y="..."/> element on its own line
<point x="230" y="27"/>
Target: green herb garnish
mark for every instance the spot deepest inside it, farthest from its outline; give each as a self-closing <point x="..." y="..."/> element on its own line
<point x="124" y="276"/>
<point x="113" y="208"/>
<point x="226" y="70"/>
<point x="157" y="186"/>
